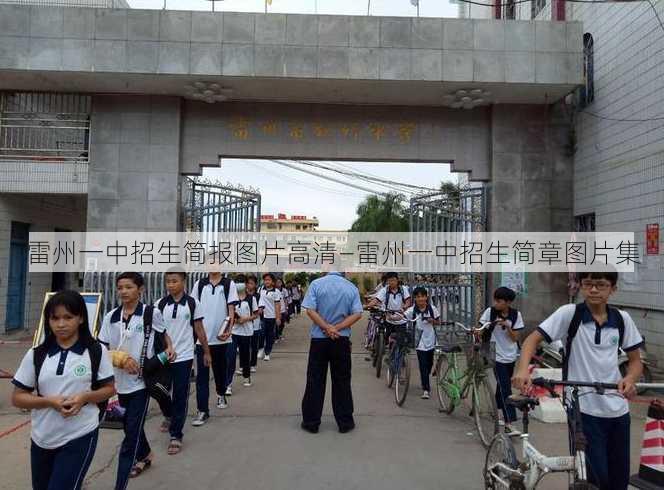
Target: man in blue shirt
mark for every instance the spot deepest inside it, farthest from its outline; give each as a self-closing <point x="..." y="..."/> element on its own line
<point x="333" y="304"/>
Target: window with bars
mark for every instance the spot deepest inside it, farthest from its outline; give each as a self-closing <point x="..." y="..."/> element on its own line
<point x="584" y="222"/>
<point x="587" y="92"/>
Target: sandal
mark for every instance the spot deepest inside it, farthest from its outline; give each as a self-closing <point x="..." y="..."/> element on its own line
<point x="140" y="467"/>
<point x="174" y="447"/>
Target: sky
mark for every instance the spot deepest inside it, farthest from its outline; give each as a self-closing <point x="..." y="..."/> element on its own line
<point x="428" y="8"/>
<point x="286" y="190"/>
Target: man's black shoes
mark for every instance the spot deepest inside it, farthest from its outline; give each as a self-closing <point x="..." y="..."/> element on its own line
<point x="309" y="428"/>
<point x="346" y="429"/>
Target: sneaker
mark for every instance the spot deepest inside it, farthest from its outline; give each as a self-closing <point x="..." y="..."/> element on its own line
<point x="229" y="391"/>
<point x="511" y="431"/>
<point x="238" y="372"/>
<point x="267" y="357"/>
<point x="247" y="382"/>
<point x="222" y="402"/>
<point x="261" y="353"/>
<point x="425" y="395"/>
<point x="253" y="369"/>
<point x="200" y="419"/>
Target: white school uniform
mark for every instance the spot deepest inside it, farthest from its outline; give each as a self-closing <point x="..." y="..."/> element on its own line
<point x="129" y="338"/>
<point x="594" y="356"/>
<point x="246" y="307"/>
<point x="214" y="308"/>
<point x="423" y="324"/>
<point x="269" y="297"/>
<point x="395" y="301"/>
<point x="177" y="318"/>
<point x="64" y="373"/>
<point x="507" y="351"/>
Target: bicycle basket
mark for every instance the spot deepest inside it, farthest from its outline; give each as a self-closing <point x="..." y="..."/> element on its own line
<point x="449" y="336"/>
<point x="405" y="335"/>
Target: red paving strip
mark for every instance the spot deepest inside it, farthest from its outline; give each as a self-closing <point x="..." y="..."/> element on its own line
<point x="14" y="429"/>
<point x="15" y="342"/>
<point x="5" y="374"/>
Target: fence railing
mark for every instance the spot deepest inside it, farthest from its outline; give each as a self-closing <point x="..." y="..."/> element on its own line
<point x="455" y="302"/>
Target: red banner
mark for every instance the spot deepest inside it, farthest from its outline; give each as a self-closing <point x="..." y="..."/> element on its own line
<point x="652" y="239"/>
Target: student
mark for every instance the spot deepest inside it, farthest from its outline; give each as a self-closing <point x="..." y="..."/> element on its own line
<point x="256" y="324"/>
<point x="217" y="296"/>
<point x="296" y="292"/>
<point x="425" y="315"/>
<point x="593" y="331"/>
<point x="245" y="314"/>
<point x="279" y="286"/>
<point x="59" y="383"/>
<point x="124" y="331"/>
<point x="270" y="302"/>
<point x="505" y="333"/>
<point x="394" y="297"/>
<point x="184" y="323"/>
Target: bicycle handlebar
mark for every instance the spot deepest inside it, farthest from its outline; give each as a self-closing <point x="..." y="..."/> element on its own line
<point x="552" y="383"/>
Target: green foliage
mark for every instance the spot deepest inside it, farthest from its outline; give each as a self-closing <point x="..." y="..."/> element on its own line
<point x="381" y="214"/>
<point x="368" y="283"/>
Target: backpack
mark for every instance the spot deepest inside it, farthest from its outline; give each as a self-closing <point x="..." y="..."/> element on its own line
<point x="574" y="328"/>
<point x="157" y="383"/>
<point x="248" y="299"/>
<point x="388" y="292"/>
<point x="429" y="310"/>
<point x="191" y="302"/>
<point x="94" y="351"/>
<point x="512" y="316"/>
<point x="225" y="282"/>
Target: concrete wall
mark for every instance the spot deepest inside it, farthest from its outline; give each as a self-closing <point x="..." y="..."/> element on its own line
<point x="619" y="165"/>
<point x="44" y="213"/>
<point x="134" y="164"/>
<point x="336" y="132"/>
<point x="277" y="45"/>
<point x="49" y="177"/>
<point x="531" y="172"/>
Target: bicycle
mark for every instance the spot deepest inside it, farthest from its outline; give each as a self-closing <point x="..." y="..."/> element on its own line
<point x="398" y="366"/>
<point x="502" y="469"/>
<point x="452" y="385"/>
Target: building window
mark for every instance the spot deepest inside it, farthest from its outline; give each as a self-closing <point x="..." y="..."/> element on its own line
<point x="298" y="227"/>
<point x="584" y="222"/>
<point x="587" y="94"/>
<point x="271" y="226"/>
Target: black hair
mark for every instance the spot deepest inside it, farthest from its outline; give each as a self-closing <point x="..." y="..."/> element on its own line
<point x="506" y="294"/>
<point x="610" y="275"/>
<point x="240" y="278"/>
<point x="270" y="275"/>
<point x="253" y="278"/>
<point x="74" y="303"/>
<point x="176" y="270"/>
<point x="391" y="275"/>
<point x="134" y="277"/>
<point x="419" y="290"/>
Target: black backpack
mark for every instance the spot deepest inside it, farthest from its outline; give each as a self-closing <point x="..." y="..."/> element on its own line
<point x="191" y="302"/>
<point x="225" y="282"/>
<point x="388" y="292"/>
<point x="574" y="328"/>
<point x="250" y="299"/>
<point x="94" y="351"/>
<point x="429" y="310"/>
<point x="512" y="316"/>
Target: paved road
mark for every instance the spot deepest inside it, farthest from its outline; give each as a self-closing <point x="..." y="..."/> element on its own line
<point x="256" y="443"/>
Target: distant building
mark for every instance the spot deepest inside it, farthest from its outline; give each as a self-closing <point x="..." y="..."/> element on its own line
<point x="284" y="224"/>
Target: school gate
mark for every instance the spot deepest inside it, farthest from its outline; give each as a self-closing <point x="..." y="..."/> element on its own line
<point x="173" y="91"/>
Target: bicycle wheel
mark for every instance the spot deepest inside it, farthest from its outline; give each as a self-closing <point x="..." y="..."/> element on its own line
<point x="484" y="411"/>
<point x="374" y="350"/>
<point x="390" y="371"/>
<point x="380" y="353"/>
<point x="445" y="386"/>
<point x="502" y="451"/>
<point x="402" y="377"/>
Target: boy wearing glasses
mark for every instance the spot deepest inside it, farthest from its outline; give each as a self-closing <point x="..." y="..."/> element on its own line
<point x="592" y="332"/>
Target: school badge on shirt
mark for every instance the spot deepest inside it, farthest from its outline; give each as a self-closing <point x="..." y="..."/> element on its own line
<point x="80" y="370"/>
<point x="614" y="340"/>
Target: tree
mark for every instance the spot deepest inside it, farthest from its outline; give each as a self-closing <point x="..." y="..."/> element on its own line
<point x="381" y="214"/>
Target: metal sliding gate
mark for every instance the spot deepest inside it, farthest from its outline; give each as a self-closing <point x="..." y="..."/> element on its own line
<point x="208" y="208"/>
<point x="459" y="297"/>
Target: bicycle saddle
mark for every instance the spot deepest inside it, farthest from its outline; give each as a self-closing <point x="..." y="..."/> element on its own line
<point x="522" y="402"/>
